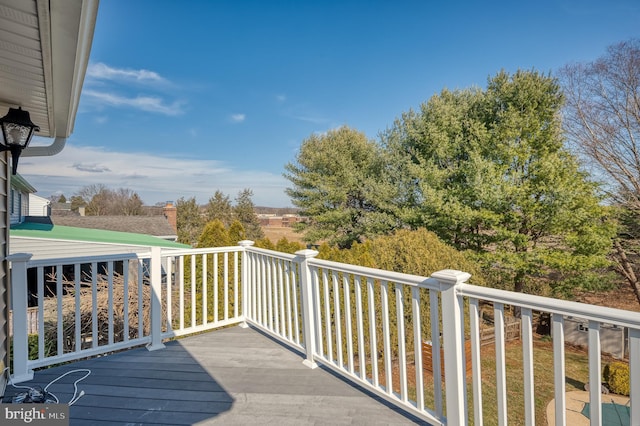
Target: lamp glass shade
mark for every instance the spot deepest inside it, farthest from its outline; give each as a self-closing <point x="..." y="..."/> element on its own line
<point x="15" y="134"/>
<point x="17" y="127"/>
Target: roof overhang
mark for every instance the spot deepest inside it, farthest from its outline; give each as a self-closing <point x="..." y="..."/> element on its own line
<point x="44" y="53"/>
<point x="85" y="235"/>
<point x="21" y="184"/>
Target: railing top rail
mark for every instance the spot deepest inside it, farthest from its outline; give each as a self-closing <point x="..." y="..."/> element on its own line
<point x="81" y="259"/>
<point x="389" y="276"/>
<point x="601" y="314"/>
<point x="206" y="250"/>
<point x="272" y="253"/>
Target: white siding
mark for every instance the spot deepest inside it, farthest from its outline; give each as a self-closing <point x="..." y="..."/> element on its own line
<point x="37" y="206"/>
<point x="45" y="248"/>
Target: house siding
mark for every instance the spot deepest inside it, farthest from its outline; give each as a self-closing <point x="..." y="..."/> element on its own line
<point x="4" y="265"/>
<point x="36" y="206"/>
<point x="15" y="204"/>
<point x="51" y="248"/>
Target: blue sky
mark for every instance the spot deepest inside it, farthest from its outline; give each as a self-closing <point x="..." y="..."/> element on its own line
<point x="183" y="98"/>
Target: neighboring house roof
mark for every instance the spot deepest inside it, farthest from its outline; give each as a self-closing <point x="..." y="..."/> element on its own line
<point x="157" y="226"/>
<point x="21" y="184"/>
<point x="47" y="241"/>
<point x="69" y="233"/>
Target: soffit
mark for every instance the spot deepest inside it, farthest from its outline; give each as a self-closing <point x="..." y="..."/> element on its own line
<point x="44" y="52"/>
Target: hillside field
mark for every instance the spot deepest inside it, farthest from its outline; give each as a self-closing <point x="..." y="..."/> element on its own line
<point x="275" y="233"/>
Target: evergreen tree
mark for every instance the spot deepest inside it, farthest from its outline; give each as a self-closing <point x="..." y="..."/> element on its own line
<point x="339" y="183"/>
<point x="77" y="202"/>
<point x="219" y="207"/>
<point x="245" y="213"/>
<point x="487" y="171"/>
<point x="189" y="220"/>
<point x="214" y="234"/>
<point x="236" y="232"/>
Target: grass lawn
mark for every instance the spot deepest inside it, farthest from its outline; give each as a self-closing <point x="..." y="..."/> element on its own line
<point x="576" y="376"/>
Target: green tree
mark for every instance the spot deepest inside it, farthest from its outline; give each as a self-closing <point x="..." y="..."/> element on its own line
<point x="264" y="243"/>
<point x="236" y="232"/>
<point x="77" y="202"/>
<point x="189" y="220"/>
<point x="62" y="199"/>
<point x="417" y="252"/>
<point x="214" y="234"/>
<point x="487" y="171"/>
<point x="286" y="246"/>
<point x="219" y="207"/>
<point x="244" y="211"/>
<point x="338" y="183"/>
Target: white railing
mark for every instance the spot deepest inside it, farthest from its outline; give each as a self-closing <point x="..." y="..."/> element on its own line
<point x="66" y="292"/>
<point x="201" y="290"/>
<point x="594" y="316"/>
<point x="274" y="299"/>
<point x="366" y="325"/>
<point x="81" y="308"/>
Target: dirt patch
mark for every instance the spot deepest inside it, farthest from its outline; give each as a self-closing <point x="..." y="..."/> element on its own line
<point x="620" y="298"/>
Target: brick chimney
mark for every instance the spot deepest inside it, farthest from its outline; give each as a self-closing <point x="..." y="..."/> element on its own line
<point x="171" y="213"/>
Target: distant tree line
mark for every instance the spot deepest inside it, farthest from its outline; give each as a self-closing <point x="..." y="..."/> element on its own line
<point x="192" y="219"/>
<point x="98" y="200"/>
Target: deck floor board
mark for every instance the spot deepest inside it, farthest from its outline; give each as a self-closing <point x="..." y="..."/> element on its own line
<point x="233" y="376"/>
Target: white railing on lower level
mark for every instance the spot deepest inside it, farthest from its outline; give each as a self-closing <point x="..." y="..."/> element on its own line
<point x="369" y="326"/>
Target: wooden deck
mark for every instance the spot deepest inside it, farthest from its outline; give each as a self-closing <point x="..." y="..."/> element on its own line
<point x="233" y="376"/>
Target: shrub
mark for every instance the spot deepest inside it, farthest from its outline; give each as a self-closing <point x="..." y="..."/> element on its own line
<point x="417" y="252"/>
<point x="616" y="376"/>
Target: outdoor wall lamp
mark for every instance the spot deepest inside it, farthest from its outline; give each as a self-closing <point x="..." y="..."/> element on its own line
<point x="17" y="131"/>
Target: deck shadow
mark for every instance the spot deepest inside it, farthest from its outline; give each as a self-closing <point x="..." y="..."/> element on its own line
<point x="410" y="418"/>
<point x="167" y="386"/>
<point x="230" y="376"/>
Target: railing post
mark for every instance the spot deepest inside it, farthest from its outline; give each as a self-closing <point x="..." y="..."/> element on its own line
<point x="18" y="291"/>
<point x="453" y="342"/>
<point x="246" y="285"/>
<point x="634" y="358"/>
<point x="308" y="309"/>
<point x="156" y="304"/>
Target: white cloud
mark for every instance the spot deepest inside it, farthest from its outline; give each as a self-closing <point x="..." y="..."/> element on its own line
<point x="238" y="118"/>
<point x="281" y="98"/>
<point x="91" y="167"/>
<point x="102" y="71"/>
<point x="105" y="85"/>
<point x="155" y="178"/>
<point x="145" y="103"/>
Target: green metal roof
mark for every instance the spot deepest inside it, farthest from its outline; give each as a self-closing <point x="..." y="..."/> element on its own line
<point x="21" y="183"/>
<point x="57" y="232"/>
